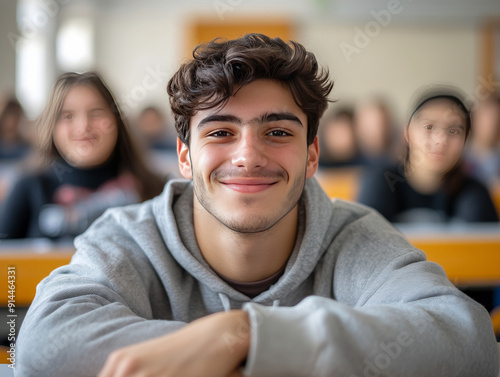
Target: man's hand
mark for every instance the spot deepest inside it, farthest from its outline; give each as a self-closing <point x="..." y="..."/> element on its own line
<point x="212" y="346"/>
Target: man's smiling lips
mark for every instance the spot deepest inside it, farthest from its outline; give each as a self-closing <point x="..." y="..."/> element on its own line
<point x="248" y="185"/>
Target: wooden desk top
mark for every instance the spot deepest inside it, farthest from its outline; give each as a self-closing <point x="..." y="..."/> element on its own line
<point x="469" y="253"/>
<point x="339" y="183"/>
<point x="33" y="261"/>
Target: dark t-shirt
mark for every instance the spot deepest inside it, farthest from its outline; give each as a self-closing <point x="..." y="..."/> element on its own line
<point x="387" y="190"/>
<point x="20" y="212"/>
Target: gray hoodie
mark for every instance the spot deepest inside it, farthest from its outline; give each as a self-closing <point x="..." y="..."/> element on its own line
<point x="356" y="299"/>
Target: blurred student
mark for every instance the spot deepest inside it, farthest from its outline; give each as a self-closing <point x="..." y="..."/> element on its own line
<point x="374" y="131"/>
<point x="151" y="125"/>
<point x="13" y="145"/>
<point x="430" y="185"/>
<point x="86" y="162"/>
<point x="482" y="156"/>
<point x="157" y="142"/>
<point x="338" y="140"/>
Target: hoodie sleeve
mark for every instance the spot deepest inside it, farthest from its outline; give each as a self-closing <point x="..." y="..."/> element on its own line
<point x="394" y="314"/>
<point x="84" y="311"/>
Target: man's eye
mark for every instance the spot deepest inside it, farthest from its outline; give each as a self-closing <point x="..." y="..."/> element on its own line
<point x="220" y="134"/>
<point x="279" y="133"/>
<point x="428" y="127"/>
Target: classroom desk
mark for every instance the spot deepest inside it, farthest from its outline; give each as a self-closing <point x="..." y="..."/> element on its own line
<point x="469" y="253"/>
<point x="339" y="183"/>
<point x="33" y="260"/>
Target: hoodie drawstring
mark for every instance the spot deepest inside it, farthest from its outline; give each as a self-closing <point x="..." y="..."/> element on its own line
<point x="226" y="304"/>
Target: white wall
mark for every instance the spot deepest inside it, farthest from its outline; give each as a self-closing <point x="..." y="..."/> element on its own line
<point x="137" y="53"/>
<point x="396" y="62"/>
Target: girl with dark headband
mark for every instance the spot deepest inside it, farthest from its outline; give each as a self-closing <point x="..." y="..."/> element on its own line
<point x="429" y="185"/>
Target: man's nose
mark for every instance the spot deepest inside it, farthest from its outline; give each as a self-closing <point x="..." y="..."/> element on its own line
<point x="249" y="152"/>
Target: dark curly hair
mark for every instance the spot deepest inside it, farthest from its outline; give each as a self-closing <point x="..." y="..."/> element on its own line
<point x="220" y="67"/>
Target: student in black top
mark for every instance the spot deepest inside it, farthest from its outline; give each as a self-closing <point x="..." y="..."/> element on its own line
<point x="86" y="162"/>
<point x="429" y="185"/>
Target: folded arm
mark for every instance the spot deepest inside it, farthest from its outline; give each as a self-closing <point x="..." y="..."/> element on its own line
<point x="409" y="320"/>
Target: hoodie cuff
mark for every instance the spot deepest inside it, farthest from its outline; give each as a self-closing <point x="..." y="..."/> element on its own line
<point x="279" y="346"/>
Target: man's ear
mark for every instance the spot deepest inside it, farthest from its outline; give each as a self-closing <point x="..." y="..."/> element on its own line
<point x="184" y="159"/>
<point x="312" y="158"/>
<point x="405" y="133"/>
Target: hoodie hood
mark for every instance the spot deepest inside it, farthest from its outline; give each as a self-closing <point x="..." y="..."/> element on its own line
<point x="173" y="211"/>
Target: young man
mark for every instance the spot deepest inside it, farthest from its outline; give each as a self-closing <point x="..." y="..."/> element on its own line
<point x="248" y="268"/>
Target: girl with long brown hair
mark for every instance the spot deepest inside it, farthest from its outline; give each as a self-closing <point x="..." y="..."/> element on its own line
<point x="85" y="162"/>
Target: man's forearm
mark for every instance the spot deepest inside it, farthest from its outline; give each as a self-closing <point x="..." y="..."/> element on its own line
<point x="213" y="346"/>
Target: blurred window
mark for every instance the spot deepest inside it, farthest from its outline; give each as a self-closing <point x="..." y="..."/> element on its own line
<point x="32" y="81"/>
<point x="75" y="47"/>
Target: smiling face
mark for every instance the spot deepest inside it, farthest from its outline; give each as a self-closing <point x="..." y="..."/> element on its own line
<point x="85" y="133"/>
<point x="249" y="160"/>
<point x="436" y="136"/>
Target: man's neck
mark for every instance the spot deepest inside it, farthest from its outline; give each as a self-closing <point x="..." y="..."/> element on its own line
<point x="245" y="257"/>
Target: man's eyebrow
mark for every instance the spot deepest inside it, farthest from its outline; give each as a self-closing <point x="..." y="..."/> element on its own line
<point x="219" y="118"/>
<point x="274" y="117"/>
<point x="265" y="118"/>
